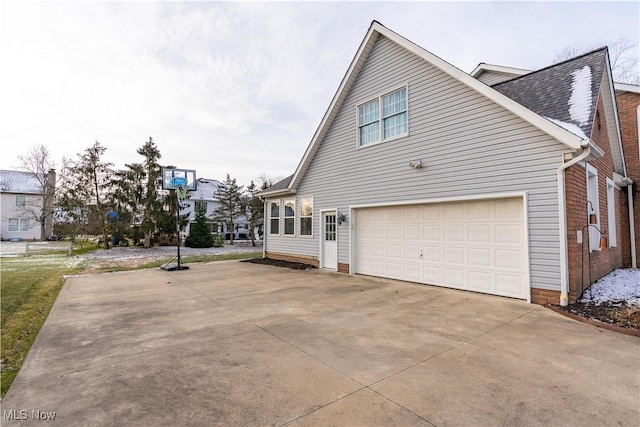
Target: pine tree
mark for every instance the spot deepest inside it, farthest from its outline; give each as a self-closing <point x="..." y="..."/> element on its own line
<point x="255" y="209"/>
<point x="229" y="194"/>
<point x="150" y="201"/>
<point x="199" y="232"/>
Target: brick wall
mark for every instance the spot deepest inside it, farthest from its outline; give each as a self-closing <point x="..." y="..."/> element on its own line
<point x="544" y="296"/>
<point x="628" y="103"/>
<point x="586" y="267"/>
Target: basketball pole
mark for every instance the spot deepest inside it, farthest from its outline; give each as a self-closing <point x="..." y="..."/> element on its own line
<point x="178" y="227"/>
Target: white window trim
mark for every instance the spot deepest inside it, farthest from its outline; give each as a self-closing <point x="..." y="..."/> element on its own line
<point x="611" y="213"/>
<point x="593" y="207"/>
<point x="380" y="118"/>
<point x="299" y="213"/>
<point x="279" y="203"/>
<point x="24" y="200"/>
<point x="20" y="222"/>
<point x="284" y="217"/>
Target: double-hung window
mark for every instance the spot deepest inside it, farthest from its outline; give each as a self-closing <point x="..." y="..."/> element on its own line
<point x="274" y="215"/>
<point x="306" y="216"/>
<point x="383" y="118"/>
<point x="19" y="224"/>
<point x="593" y="207"/>
<point x="20" y="200"/>
<point x="289" y="217"/>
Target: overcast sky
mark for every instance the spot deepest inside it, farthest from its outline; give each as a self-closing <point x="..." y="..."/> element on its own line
<point x="240" y="88"/>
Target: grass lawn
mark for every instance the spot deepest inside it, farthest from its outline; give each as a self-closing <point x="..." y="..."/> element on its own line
<point x="28" y="288"/>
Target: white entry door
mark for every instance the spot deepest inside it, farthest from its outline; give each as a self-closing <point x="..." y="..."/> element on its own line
<point x="329" y="243"/>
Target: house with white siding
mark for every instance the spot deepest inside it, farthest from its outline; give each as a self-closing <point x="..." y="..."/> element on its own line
<point x="420" y="172"/>
<point x="20" y="205"/>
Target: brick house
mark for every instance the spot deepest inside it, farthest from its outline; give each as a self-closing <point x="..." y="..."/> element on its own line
<point x="506" y="181"/>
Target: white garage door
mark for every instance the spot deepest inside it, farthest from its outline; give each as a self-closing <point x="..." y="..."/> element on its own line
<point x="476" y="245"/>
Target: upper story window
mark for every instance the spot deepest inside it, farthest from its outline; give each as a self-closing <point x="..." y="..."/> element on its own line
<point x="201" y="205"/>
<point x="20" y="200"/>
<point x="274" y="215"/>
<point x="289" y="216"/>
<point x="306" y="216"/>
<point x="383" y="118"/>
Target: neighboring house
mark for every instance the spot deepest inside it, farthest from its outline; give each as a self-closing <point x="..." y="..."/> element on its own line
<point x="204" y="196"/>
<point x="21" y="205"/>
<point x="420" y="172"/>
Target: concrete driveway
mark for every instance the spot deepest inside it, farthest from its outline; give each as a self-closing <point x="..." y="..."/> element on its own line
<point x="232" y="343"/>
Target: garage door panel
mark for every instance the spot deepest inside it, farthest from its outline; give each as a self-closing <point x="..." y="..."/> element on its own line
<point x="480" y="233"/>
<point x="454" y="277"/>
<point x="508" y="259"/>
<point x="481" y="281"/>
<point x="432" y="253"/>
<point x="454" y="233"/>
<point x="431" y="233"/>
<point x="509" y="233"/>
<point x="411" y="232"/>
<point x="480" y="257"/>
<point x="454" y="255"/>
<point x="476" y="245"/>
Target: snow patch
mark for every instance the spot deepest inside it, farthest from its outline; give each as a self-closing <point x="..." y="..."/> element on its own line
<point x="575" y="129"/>
<point x="580" y="100"/>
<point x="621" y="285"/>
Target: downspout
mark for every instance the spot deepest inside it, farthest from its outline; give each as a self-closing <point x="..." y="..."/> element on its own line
<point x="562" y="210"/>
<point x="632" y="226"/>
<point x="264" y="227"/>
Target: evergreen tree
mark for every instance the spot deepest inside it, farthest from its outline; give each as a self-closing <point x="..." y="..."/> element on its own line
<point x="255" y="209"/>
<point x="229" y="194"/>
<point x="152" y="206"/>
<point x="199" y="232"/>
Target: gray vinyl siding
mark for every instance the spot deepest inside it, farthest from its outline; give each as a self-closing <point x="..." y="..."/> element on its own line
<point x="468" y="146"/>
<point x="493" y="77"/>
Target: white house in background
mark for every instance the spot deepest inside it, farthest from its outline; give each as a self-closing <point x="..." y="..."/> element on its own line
<point x="20" y="193"/>
<point x="205" y="195"/>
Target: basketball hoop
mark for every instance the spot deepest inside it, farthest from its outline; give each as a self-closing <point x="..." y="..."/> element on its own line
<point x="182" y="181"/>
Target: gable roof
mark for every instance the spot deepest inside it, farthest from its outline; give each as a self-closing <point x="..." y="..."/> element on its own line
<point x="277" y="188"/>
<point x="377" y="30"/>
<point x="567" y="91"/>
<point x="19" y="182"/>
<point x="205" y="189"/>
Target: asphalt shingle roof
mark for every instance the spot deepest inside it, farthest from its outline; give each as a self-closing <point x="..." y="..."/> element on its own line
<point x="566" y="92"/>
<point x="280" y="185"/>
<point x="19" y="182"/>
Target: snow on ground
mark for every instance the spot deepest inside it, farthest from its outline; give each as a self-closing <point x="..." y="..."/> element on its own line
<point x="621" y="285"/>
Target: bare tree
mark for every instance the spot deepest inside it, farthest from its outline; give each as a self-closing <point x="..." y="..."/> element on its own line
<point x="622" y="53"/>
<point x="38" y="163"/>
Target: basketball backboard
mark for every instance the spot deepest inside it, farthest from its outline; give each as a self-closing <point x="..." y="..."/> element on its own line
<point x="175" y="178"/>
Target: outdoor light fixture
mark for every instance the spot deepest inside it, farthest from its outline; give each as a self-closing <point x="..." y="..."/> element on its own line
<point x="416" y="164"/>
<point x="341" y="218"/>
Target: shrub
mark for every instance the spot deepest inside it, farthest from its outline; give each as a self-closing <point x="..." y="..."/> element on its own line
<point x="199" y="233"/>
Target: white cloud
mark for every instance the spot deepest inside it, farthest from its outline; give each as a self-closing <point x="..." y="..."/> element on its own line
<point x="236" y="87"/>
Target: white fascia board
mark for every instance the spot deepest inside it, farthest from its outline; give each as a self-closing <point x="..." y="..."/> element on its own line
<point x="337" y="98"/>
<point x="625" y="87"/>
<point x="498" y="69"/>
<point x="569" y="139"/>
<point x="614" y="109"/>
<point x="281" y="192"/>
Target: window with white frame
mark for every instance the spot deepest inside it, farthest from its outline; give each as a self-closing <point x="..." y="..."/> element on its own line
<point x="289" y="217"/>
<point x="383" y="118"/>
<point x="20" y="200"/>
<point x="19" y="224"/>
<point x="201" y="205"/>
<point x="611" y="213"/>
<point x="274" y="215"/>
<point x="593" y="207"/>
<point x="306" y="216"/>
